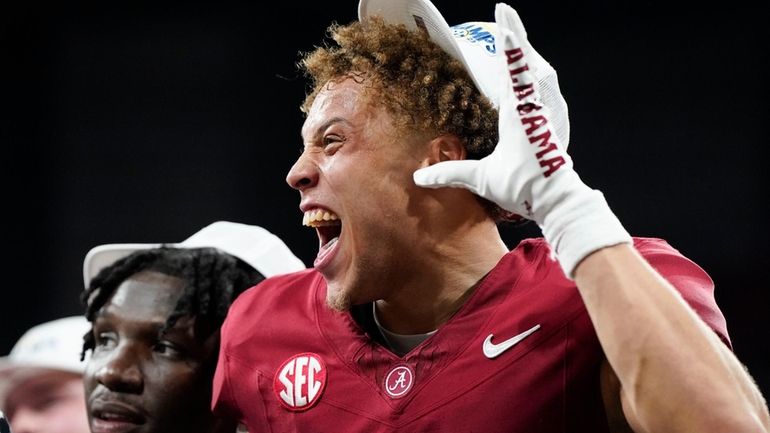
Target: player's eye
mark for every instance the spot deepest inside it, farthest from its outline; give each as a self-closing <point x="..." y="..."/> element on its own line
<point x="332" y="143"/>
<point x="167" y="348"/>
<point x="105" y="340"/>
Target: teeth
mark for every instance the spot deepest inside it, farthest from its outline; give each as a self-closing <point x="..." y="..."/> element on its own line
<point x="319" y="217"/>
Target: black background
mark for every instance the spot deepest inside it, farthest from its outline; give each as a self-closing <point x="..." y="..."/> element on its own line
<point x="140" y="122"/>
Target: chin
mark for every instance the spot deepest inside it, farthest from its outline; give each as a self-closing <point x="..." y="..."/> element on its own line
<point x="346" y="290"/>
<point x="337" y="300"/>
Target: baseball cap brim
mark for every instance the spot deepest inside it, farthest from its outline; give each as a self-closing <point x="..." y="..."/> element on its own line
<point x="50" y="346"/>
<point x="256" y="246"/>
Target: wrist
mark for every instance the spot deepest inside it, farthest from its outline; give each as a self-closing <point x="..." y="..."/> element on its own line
<point x="580" y="222"/>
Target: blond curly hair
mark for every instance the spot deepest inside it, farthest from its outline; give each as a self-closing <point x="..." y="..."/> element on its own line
<point x="420" y="85"/>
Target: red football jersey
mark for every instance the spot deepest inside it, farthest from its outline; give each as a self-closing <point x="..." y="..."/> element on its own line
<point x="290" y="364"/>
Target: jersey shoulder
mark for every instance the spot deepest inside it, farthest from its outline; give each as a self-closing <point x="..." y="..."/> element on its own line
<point x="277" y="287"/>
<point x="277" y="303"/>
<point x="688" y="278"/>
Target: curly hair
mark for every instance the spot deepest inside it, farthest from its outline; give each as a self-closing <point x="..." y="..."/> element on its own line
<point x="419" y="84"/>
<point x="213" y="280"/>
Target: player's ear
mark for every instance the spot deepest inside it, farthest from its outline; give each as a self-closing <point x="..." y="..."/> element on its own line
<point x="446" y="147"/>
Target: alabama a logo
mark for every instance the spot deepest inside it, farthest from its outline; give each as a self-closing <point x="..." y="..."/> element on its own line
<point x="300" y="381"/>
<point x="398" y="381"/>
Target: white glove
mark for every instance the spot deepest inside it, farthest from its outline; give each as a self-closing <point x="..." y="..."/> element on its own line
<point x="529" y="172"/>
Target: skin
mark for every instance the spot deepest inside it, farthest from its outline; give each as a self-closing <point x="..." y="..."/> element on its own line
<point x="50" y="402"/>
<point x="164" y="379"/>
<point x="350" y="147"/>
<point x="656" y="372"/>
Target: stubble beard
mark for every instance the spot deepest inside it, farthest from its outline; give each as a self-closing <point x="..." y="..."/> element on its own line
<point x="339" y="295"/>
<point x="353" y="289"/>
<point x="338" y="301"/>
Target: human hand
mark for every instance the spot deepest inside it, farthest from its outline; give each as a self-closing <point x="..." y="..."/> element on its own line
<point x="529" y="172"/>
<point x="528" y="156"/>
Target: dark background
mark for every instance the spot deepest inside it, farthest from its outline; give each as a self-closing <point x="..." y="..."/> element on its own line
<point x="125" y="122"/>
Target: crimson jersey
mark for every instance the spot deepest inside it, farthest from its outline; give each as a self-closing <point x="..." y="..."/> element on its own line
<point x="290" y="364"/>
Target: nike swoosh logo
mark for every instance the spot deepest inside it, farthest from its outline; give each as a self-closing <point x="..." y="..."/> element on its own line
<point x="494" y="350"/>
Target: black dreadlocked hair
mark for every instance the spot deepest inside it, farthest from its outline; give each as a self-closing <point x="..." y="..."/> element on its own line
<point x="213" y="280"/>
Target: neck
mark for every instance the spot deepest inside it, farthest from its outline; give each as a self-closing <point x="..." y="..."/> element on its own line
<point x="445" y="271"/>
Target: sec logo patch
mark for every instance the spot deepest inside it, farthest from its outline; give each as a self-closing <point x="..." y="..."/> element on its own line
<point x="300" y="381"/>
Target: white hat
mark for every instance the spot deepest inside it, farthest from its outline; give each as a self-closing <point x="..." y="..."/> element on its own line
<point x="54" y="345"/>
<point x="256" y="246"/>
<point x="473" y="44"/>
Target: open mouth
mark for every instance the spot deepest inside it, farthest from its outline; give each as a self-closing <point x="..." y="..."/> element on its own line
<point x="327" y="224"/>
<point x="329" y="228"/>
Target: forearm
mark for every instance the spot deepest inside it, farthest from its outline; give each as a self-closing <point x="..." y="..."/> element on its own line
<point x="675" y="373"/>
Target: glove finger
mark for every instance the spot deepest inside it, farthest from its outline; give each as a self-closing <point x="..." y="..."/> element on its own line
<point x="462" y="174"/>
<point x="508" y="19"/>
<point x="510" y="25"/>
<point x="522" y="62"/>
